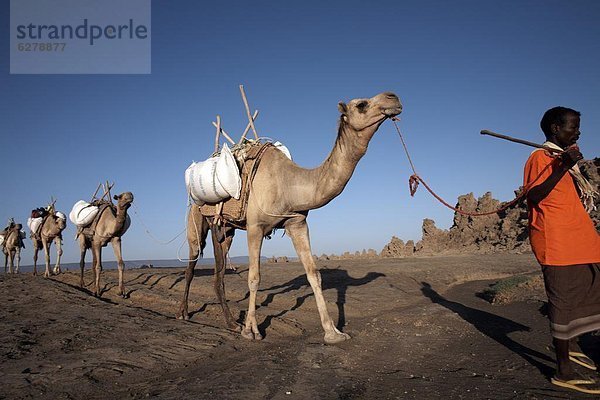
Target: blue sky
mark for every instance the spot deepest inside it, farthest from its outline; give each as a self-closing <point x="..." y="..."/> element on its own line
<point x="458" y="67"/>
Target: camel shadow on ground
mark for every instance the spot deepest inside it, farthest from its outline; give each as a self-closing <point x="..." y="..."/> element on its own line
<point x="337" y="279"/>
<point x="207" y="272"/>
<point x="201" y="272"/>
<point x="493" y="326"/>
<point x="85" y="290"/>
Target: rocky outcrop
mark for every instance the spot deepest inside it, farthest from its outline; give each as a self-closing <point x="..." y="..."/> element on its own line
<point x="591" y="168"/>
<point x="349" y="256"/>
<point x="282" y="259"/>
<point x="397" y="248"/>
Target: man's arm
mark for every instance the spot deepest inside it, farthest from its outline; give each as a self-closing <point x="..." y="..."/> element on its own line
<point x="568" y="158"/>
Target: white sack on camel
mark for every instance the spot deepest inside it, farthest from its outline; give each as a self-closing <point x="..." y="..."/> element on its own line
<point x="215" y="179"/>
<point x="34" y="224"/>
<point x="83" y="213"/>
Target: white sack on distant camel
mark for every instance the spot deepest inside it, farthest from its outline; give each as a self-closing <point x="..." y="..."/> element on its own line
<point x="34" y="224"/>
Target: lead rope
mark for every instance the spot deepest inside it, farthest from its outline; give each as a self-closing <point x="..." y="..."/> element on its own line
<point x="136" y="211"/>
<point x="147" y="230"/>
<point x="415" y="179"/>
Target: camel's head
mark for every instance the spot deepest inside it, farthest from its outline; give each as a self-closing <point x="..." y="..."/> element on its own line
<point x="124" y="200"/>
<point x="364" y="113"/>
<point x="61" y="220"/>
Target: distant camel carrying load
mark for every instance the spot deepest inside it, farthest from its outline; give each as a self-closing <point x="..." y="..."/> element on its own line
<point x="46" y="226"/>
<point x="108" y="225"/>
<point x="11" y="239"/>
<point x="279" y="194"/>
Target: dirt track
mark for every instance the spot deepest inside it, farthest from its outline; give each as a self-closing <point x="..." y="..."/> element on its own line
<point x="418" y="331"/>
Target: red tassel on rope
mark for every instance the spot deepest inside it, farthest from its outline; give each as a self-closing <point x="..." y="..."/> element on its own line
<point x="413" y="184"/>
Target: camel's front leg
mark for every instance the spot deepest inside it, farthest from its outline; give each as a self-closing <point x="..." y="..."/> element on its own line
<point x="46" y="247"/>
<point x="18" y="256"/>
<point x="97" y="262"/>
<point x="5" y="261"/>
<point x="116" y="244"/>
<point x="59" y="252"/>
<point x="82" y="250"/>
<point x="11" y="261"/>
<point x="298" y="231"/>
<point x="255" y="238"/>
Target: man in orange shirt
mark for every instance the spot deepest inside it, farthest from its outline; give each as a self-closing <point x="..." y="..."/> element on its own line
<point x="565" y="243"/>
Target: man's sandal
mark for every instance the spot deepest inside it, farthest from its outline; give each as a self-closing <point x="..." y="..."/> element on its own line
<point x="580" y="385"/>
<point x="583" y="360"/>
<point x="579" y="358"/>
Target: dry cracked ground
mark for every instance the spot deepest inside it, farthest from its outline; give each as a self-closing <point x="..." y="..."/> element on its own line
<point x="420" y="330"/>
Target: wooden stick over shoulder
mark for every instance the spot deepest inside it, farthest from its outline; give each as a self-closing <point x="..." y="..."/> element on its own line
<point x="521" y="141"/>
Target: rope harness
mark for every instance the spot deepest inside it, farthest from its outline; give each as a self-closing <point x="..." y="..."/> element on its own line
<point x="138" y="215"/>
<point x="415" y="180"/>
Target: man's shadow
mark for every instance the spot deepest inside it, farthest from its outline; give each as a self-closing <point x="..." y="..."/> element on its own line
<point x="494" y="327"/>
<point x="338" y="279"/>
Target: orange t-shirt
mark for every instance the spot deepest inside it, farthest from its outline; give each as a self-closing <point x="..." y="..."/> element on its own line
<point x="560" y="230"/>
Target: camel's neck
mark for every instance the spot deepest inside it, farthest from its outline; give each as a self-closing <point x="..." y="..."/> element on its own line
<point x="329" y="179"/>
<point x="13" y="238"/>
<point x="50" y="227"/>
<point x="120" y="219"/>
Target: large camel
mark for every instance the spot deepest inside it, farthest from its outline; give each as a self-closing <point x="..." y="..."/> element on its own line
<point x="109" y="228"/>
<point x="281" y="195"/>
<point x="50" y="231"/>
<point x="11" y="247"/>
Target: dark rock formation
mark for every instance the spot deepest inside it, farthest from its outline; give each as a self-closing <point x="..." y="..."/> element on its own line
<point x="282" y="259"/>
<point x="591" y="169"/>
<point x="349" y="256"/>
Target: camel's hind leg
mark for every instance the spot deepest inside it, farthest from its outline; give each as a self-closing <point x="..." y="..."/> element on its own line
<point x="36" y="249"/>
<point x="298" y="231"/>
<point x="255" y="239"/>
<point x="197" y="230"/>
<point x="220" y="251"/>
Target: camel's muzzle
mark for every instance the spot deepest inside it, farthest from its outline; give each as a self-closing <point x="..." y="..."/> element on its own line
<point x="392" y="112"/>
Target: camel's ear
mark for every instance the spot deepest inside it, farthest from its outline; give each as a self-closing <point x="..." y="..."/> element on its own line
<point x="342" y="107"/>
<point x="116" y="197"/>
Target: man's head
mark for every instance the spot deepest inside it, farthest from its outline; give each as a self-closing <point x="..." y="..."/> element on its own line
<point x="561" y="126"/>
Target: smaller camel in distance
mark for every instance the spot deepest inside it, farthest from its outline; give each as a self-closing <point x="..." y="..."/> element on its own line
<point x="108" y="226"/>
<point x="11" y="247"/>
<point x="53" y="225"/>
